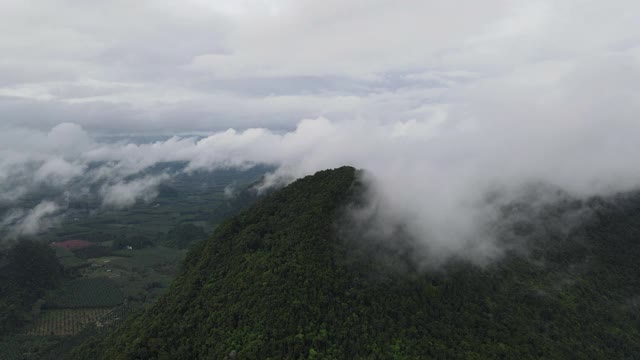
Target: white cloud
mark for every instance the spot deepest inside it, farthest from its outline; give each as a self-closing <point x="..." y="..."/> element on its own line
<point x="21" y="222"/>
<point x="126" y="193"/>
<point x="58" y="171"/>
<point x="271" y="63"/>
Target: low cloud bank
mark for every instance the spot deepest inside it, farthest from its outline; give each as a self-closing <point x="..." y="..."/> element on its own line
<point x="26" y="222"/>
<point x="568" y="126"/>
<point x="444" y="182"/>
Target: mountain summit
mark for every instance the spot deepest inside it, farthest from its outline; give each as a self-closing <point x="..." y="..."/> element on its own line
<point x="277" y="281"/>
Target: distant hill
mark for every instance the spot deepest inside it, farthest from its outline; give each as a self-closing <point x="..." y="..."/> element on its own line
<point x="276" y="281"/>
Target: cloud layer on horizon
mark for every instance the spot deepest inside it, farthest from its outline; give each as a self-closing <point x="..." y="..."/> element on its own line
<point x="432" y="177"/>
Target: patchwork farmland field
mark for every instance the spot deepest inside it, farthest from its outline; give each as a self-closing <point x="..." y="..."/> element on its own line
<point x="197" y="199"/>
<point x="130" y="263"/>
<point x="61" y="322"/>
<point x="98" y="292"/>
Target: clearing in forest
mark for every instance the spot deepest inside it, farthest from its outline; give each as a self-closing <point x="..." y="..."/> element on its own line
<point x="62" y="322"/>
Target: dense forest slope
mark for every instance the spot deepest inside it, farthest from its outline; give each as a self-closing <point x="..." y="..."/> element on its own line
<point x="27" y="270"/>
<point x="277" y="282"/>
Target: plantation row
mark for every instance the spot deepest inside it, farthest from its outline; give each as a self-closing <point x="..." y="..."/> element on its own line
<point x="85" y="293"/>
<point x="33" y="346"/>
<point x="101" y="326"/>
<point x="62" y="322"/>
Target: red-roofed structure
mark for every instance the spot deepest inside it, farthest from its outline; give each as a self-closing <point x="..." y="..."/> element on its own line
<point x="72" y="244"/>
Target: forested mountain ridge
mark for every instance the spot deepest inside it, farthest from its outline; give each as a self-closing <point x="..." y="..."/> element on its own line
<point x="276" y="281"/>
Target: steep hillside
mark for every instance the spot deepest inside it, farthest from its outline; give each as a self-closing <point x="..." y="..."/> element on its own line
<point x="277" y="282"/>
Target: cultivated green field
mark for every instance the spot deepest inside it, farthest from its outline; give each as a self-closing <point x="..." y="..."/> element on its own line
<point x="97" y="292"/>
<point x="68" y="259"/>
<point x="142" y="275"/>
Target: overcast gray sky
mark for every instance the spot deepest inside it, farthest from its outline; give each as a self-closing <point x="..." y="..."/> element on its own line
<point x="202" y="65"/>
<point x="441" y="101"/>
